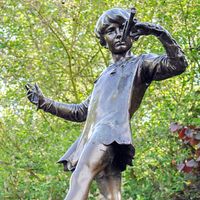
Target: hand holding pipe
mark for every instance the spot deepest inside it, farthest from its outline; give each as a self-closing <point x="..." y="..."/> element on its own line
<point x="128" y="25"/>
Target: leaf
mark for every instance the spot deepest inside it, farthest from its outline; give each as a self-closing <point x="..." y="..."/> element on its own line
<point x="181" y="166"/>
<point x="174" y="127"/>
<point x="181" y="133"/>
<point x="198" y="159"/>
<point x="187" y="169"/>
<point x="186" y="140"/>
<point x="198" y="146"/>
<point x="197" y="136"/>
<point x="187" y="166"/>
<point x="193" y="142"/>
<point x="188" y="132"/>
<point x="191" y="163"/>
<point x="197" y="153"/>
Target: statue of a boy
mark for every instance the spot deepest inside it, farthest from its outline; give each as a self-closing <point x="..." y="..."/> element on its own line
<point x="105" y="148"/>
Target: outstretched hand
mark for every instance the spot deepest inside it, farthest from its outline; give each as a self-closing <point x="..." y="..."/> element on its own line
<point x="34" y="94"/>
<point x="145" y="28"/>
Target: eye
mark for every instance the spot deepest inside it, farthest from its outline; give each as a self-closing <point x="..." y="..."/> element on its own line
<point x="121" y="27"/>
<point x="110" y="30"/>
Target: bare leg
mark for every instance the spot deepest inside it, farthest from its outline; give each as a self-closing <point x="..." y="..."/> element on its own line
<point x="109" y="184"/>
<point x="95" y="158"/>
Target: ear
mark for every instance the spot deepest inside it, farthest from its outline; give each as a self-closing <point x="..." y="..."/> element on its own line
<point x="103" y="42"/>
<point x="106" y="45"/>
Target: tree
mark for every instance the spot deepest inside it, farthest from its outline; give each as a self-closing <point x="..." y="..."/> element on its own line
<point x="54" y="45"/>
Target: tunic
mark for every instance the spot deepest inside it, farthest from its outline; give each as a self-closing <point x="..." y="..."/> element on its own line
<point x="116" y="95"/>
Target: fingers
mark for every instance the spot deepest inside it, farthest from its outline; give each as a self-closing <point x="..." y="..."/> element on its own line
<point x="27" y="88"/>
<point x="29" y="95"/>
<point x="148" y="26"/>
<point x="30" y="87"/>
<point x="141" y="25"/>
<point x="36" y="86"/>
<point x="38" y="90"/>
<point x="135" y="21"/>
<point x="30" y="90"/>
<point x="144" y="28"/>
<point x="135" y="36"/>
<point x="33" y="92"/>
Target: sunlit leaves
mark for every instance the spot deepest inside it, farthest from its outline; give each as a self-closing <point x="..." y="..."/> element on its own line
<point x="54" y="45"/>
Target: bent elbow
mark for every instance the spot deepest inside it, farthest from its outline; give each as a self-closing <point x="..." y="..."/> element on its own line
<point x="81" y="119"/>
<point x="183" y="65"/>
<point x="180" y="65"/>
<point x="180" y="70"/>
<point x="80" y="116"/>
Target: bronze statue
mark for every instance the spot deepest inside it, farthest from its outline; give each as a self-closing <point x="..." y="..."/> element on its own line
<point x="105" y="147"/>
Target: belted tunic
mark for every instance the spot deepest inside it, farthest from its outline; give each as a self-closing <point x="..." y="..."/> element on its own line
<point x="116" y="95"/>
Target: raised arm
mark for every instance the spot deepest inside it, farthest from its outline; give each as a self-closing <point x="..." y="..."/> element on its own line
<point x="71" y="112"/>
<point x="159" y="67"/>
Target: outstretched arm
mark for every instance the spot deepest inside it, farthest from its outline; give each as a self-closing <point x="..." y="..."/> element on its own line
<point x="71" y="112"/>
<point x="159" y="67"/>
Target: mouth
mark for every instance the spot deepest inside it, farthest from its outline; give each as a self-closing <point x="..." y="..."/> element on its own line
<point x="118" y="43"/>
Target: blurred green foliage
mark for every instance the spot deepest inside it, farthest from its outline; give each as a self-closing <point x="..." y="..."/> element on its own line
<point x="54" y="45"/>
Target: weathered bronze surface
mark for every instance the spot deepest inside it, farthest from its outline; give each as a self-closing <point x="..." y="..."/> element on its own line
<point x="105" y="147"/>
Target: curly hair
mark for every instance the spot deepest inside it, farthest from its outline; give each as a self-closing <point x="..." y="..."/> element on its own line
<point x="114" y="15"/>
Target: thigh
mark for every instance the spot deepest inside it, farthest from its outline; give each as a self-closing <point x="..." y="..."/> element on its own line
<point x="95" y="156"/>
<point x="109" y="183"/>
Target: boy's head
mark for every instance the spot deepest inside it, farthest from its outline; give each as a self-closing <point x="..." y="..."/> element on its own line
<point x="115" y="15"/>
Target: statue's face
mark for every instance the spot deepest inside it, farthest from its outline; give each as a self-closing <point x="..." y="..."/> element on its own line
<point x="112" y="36"/>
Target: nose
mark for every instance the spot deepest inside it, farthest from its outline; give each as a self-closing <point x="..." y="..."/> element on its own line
<point x="118" y="33"/>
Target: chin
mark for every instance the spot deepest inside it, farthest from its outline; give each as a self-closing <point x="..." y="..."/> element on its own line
<point x="121" y="50"/>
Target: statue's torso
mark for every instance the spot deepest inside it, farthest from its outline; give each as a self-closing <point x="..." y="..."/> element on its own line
<point x="116" y="96"/>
